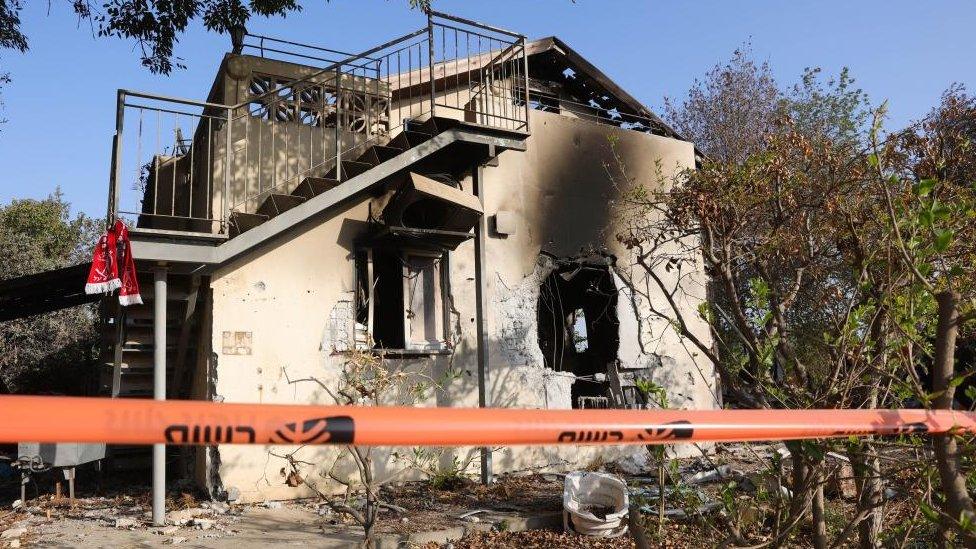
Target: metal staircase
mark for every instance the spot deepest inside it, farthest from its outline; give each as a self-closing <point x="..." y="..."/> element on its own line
<point x="265" y="145"/>
<point x="127" y="347"/>
<point x="417" y="132"/>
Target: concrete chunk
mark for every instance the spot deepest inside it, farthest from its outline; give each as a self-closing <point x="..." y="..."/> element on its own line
<point x="13" y="533"/>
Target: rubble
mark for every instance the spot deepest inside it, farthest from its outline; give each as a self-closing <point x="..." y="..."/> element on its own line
<point x="184" y="517"/>
<point x="167" y="530"/>
<point x="13" y="533"/>
<point x="125" y="523"/>
<point x="203" y="524"/>
<point x="175" y="541"/>
<point x="722" y="472"/>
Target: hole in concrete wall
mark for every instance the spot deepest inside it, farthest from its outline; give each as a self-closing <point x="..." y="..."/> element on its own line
<point x="578" y="326"/>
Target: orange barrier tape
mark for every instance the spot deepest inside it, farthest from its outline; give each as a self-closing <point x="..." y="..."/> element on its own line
<point x="71" y="419"/>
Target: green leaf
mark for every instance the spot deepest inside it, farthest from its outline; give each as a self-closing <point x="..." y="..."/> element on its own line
<point x="925" y="186"/>
<point x="942" y="240"/>
<point x="957" y="381"/>
<point x="873" y="160"/>
<point x="931" y="514"/>
<point x="926" y="218"/>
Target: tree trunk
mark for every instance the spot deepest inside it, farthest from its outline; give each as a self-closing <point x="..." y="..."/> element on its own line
<point x="800" y="485"/>
<point x="372" y="505"/>
<point x="864" y="458"/>
<point x="957" y="500"/>
<point x="817" y="506"/>
<point x="870" y="494"/>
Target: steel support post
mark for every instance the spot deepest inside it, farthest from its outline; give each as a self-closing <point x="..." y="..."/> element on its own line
<point x="481" y="307"/>
<point x="159" y="393"/>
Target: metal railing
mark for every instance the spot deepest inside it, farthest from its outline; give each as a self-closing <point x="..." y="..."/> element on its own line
<point x="479" y="70"/>
<point x="167" y="162"/>
<point x="183" y="167"/>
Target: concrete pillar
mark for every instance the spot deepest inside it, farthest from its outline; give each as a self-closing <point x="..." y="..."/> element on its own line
<point x="159" y="393"/>
<point x="480" y="232"/>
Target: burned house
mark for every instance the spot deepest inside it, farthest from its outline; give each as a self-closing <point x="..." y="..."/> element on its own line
<point x="442" y="200"/>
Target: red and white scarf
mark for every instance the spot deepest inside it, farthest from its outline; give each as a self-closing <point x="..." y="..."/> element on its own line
<point x="103" y="278"/>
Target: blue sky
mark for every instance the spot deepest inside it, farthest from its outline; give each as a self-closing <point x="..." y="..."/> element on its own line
<point x="61" y="104"/>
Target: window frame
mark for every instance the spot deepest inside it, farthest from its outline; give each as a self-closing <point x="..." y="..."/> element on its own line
<point x="442" y="296"/>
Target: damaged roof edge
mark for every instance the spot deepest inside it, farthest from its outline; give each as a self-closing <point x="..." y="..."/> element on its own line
<point x="445" y="70"/>
<point x="555" y="43"/>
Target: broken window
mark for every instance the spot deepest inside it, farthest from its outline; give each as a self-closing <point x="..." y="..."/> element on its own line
<point x="421" y="277"/>
<point x="578" y="327"/>
<point x="579" y="333"/>
<point x="399" y="299"/>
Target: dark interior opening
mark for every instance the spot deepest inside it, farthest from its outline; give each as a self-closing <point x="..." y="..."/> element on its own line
<point x="578" y="327"/>
<point x="388" y="296"/>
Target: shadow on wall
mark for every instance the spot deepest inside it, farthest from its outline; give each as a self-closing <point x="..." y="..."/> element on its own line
<point x="262" y="472"/>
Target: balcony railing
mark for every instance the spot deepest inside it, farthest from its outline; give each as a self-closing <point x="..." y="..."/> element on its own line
<point x="182" y="166"/>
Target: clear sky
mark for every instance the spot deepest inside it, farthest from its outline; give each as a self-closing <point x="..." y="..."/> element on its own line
<point x="61" y="103"/>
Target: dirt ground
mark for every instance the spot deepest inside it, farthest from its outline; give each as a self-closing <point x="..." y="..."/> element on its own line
<point x="124" y="519"/>
<point x="712" y="489"/>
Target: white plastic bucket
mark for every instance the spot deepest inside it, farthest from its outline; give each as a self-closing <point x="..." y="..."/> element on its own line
<point x="585" y="493"/>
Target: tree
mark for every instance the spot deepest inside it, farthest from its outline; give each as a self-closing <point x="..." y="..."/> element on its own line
<point x="841" y="269"/>
<point x="812" y="302"/>
<point x="50" y="350"/>
<point x="927" y="177"/>
<point x="368" y="379"/>
<point x="156" y="25"/>
<point x="727" y="114"/>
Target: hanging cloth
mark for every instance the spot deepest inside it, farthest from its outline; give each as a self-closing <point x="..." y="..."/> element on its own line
<point x="113" y="267"/>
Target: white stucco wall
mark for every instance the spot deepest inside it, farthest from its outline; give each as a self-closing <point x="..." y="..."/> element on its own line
<point x="293" y="296"/>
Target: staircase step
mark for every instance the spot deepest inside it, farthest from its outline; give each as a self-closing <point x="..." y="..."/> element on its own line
<point x="241" y="222"/>
<point x="137" y="361"/>
<point x="378" y="154"/>
<point x="350" y="169"/>
<point x="277" y="204"/>
<point x="149" y="347"/>
<point x="434" y="125"/>
<point x="310" y="187"/>
<point x="130" y="458"/>
<point x="144" y="315"/>
<point x="408" y="139"/>
<point x="147" y="290"/>
<point x="137" y="335"/>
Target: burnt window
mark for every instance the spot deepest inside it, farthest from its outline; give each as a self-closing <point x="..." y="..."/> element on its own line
<point x="578" y="328"/>
<point x="400" y="299"/>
